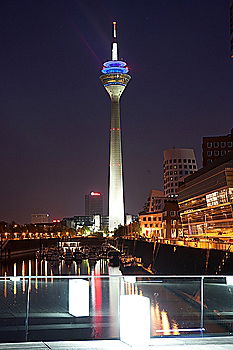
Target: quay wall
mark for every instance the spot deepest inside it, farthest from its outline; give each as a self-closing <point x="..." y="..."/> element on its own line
<point x="171" y="259"/>
<point x="18" y="248"/>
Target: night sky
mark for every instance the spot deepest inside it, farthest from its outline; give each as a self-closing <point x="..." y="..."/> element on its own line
<point x="55" y="114"/>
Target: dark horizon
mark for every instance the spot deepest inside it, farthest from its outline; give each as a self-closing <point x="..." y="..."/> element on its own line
<point x="56" y="114"/>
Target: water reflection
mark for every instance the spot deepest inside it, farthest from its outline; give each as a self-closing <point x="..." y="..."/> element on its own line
<point x="51" y="294"/>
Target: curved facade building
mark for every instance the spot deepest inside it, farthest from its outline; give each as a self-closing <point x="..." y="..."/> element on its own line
<point x="178" y="163"/>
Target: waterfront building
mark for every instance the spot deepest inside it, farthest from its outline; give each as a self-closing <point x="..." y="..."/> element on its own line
<point x="206" y="199"/>
<point x="93" y="204"/>
<point x="151" y="224"/>
<point x="214" y="147"/>
<point x="171" y="220"/>
<point x="161" y="224"/>
<point x="160" y="217"/>
<point x="115" y="79"/>
<point x="39" y="218"/>
<point x="178" y="163"/>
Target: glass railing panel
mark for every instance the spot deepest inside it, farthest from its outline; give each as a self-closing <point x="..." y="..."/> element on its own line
<point x="13" y="309"/>
<point x="74" y="308"/>
<point x="89" y="307"/>
<point x="218" y="305"/>
<point x="175" y="303"/>
<point x="49" y="318"/>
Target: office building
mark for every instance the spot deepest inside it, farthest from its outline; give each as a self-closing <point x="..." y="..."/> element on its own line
<point x="206" y="199"/>
<point x="178" y="163"/>
<point x="94" y="204"/>
<point x="115" y="79"/>
<point x="214" y="147"/>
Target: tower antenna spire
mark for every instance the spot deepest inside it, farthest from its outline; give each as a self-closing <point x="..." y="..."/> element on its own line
<point x="114" y="43"/>
<point x="114" y="30"/>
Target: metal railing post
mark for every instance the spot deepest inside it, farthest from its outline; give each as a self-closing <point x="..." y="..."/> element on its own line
<point x="202" y="304"/>
<point x="27" y="310"/>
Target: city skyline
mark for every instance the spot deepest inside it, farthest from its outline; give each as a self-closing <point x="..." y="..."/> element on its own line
<point x="55" y="112"/>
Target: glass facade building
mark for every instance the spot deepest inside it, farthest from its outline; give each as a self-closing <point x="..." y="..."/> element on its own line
<point x="206" y="199"/>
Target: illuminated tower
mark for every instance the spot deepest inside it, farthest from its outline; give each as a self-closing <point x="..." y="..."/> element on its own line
<point x="115" y="79"/>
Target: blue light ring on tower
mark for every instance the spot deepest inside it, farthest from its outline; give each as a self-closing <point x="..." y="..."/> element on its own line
<point x="115" y="67"/>
<point x="114" y="83"/>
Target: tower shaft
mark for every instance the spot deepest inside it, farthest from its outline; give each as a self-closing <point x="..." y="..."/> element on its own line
<point x="116" y="192"/>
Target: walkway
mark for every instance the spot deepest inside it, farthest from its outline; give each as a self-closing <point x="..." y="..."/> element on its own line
<point x="215" y="343"/>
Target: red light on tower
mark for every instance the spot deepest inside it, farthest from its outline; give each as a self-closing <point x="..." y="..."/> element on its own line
<point x="95" y="194"/>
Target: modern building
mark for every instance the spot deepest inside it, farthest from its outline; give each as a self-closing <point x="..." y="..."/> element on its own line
<point x="115" y="79"/>
<point x="94" y="203"/>
<point x="231" y="26"/>
<point x="178" y="163"/>
<point x="214" y="147"/>
<point x="161" y="224"/>
<point x="206" y="199"/>
<point x="39" y="218"/>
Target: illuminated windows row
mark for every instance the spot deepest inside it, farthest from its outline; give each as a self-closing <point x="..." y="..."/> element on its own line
<point x="220" y="144"/>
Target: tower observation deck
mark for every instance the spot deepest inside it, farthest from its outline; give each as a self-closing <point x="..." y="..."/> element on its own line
<point x="115" y="79"/>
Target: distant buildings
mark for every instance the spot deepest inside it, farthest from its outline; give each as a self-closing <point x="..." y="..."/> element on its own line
<point x="206" y="199"/>
<point x="88" y="223"/>
<point x="214" y="147"/>
<point x="39" y="218"/>
<point x="178" y="162"/>
<point x="93" y="204"/>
